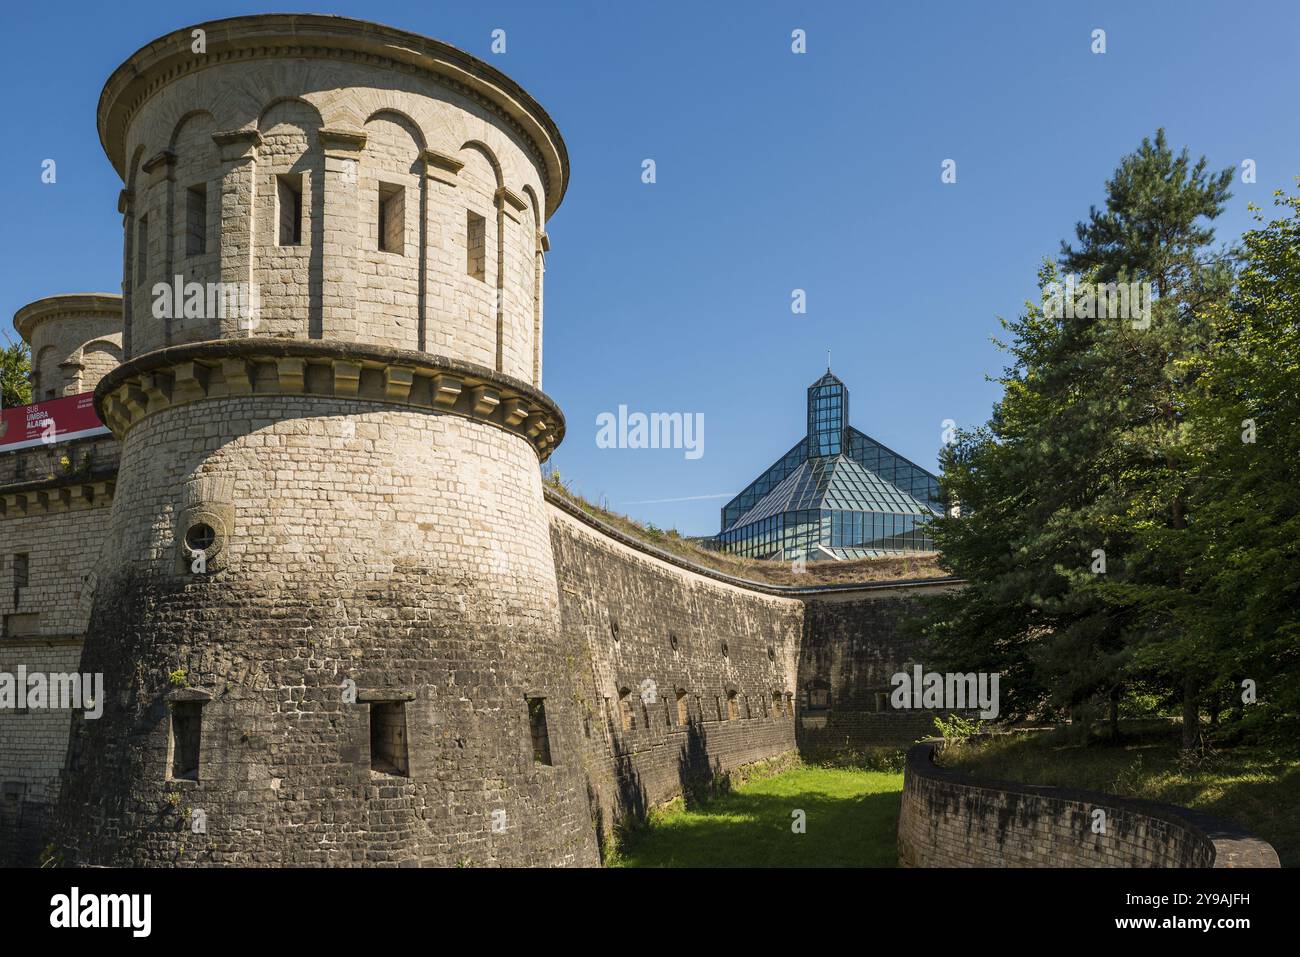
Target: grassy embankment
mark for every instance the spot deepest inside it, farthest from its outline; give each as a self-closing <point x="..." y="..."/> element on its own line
<point x="1255" y="787"/>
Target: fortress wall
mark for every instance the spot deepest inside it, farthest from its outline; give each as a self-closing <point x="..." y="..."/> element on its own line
<point x="627" y="606"/>
<point x="42" y="632"/>
<point x="953" y="820"/>
<point x="853" y="642"/>
<point x="402" y="550"/>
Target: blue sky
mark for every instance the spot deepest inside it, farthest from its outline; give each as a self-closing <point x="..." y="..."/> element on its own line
<point x="775" y="171"/>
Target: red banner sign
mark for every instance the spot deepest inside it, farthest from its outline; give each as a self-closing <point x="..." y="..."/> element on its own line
<point x="44" y="423"/>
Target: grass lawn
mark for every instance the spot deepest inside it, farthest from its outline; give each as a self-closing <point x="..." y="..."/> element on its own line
<point x="1257" y="788"/>
<point x="852" y="818"/>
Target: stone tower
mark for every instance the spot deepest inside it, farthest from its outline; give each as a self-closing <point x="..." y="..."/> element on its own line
<point x="327" y="611"/>
<point x="76" y="339"/>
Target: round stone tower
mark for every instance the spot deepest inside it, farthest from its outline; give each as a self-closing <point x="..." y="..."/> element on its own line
<point x="76" y="339"/>
<point x="327" y="612"/>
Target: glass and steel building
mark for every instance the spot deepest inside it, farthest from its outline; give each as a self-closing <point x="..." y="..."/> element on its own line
<point x="838" y="494"/>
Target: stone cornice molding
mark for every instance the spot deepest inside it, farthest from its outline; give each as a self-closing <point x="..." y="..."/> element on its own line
<point x="227" y="368"/>
<point x="304" y="36"/>
<point x="78" y="305"/>
<point x="60" y="494"/>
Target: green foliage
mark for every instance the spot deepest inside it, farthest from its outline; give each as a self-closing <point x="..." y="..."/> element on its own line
<point x="957" y="728"/>
<point x="1115" y="436"/>
<point x="15" y="374"/>
<point x="177" y="678"/>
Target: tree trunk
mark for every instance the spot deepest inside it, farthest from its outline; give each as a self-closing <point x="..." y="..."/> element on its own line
<point x="1191" y="715"/>
<point x="1114" y="713"/>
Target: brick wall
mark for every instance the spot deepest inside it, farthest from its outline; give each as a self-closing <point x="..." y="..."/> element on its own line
<point x="951" y="820"/>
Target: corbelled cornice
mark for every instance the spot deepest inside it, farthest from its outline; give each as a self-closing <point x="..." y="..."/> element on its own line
<point x="226" y="368"/>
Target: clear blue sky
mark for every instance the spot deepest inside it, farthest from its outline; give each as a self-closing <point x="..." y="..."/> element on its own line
<point x="776" y="171"/>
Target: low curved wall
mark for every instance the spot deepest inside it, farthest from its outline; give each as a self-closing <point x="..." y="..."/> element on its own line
<point x="951" y="820"/>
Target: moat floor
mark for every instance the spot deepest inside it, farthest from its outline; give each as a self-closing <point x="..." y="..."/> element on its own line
<point x="850" y="817"/>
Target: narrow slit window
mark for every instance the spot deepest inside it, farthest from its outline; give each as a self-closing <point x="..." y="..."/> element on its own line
<point x="388" y="738"/>
<point x="142" y="251"/>
<point x="392" y="219"/>
<point x="537" y="726"/>
<point x="196" y="220"/>
<point x="288" y="193"/>
<point x="626" y="719"/>
<point x="187" y="733"/>
<point x="475" y="246"/>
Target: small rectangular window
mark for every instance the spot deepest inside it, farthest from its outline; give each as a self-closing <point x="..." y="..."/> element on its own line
<point x="288" y="193"/>
<point x="537" y="725"/>
<point x="196" y="220"/>
<point x="21" y="570"/>
<point x="187" y="732"/>
<point x="475" y="245"/>
<point x="388" y="737"/>
<point x="142" y="251"/>
<point x="392" y="219"/>
<point x="683" y="715"/>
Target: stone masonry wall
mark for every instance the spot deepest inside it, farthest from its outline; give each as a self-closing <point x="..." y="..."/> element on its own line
<point x="952" y="820"/>
<point x="652" y="632"/>
<point x="405" y="551"/>
<point x="853" y="642"/>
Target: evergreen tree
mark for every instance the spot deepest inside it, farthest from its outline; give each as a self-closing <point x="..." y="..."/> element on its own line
<point x="1075" y="493"/>
<point x="15" y="374"/>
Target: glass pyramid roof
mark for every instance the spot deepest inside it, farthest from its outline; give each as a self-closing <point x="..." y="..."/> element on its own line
<point x="834" y="482"/>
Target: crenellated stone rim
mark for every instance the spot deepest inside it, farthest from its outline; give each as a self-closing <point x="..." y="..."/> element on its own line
<point x="232" y="368"/>
<point x="299" y="36"/>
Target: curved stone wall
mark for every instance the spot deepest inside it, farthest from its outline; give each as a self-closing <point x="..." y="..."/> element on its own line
<point x="370" y="184"/>
<point x="952" y="820"/>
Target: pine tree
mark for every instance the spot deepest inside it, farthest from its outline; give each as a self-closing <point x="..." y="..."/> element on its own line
<point x="15" y="375"/>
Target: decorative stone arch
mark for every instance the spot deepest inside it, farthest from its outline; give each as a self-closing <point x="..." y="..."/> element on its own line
<point x="392" y="191"/>
<point x="289" y="183"/>
<point x="95" y="360"/>
<point x="127" y="206"/>
<point x="541" y="246"/>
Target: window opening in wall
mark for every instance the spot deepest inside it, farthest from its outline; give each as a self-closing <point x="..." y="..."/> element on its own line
<point x="187" y="732"/>
<point x="21" y="575"/>
<point x="392" y="219"/>
<point x="777" y="708"/>
<point x="733" y="706"/>
<point x="475" y="245"/>
<point x="626" y="719"/>
<point x="683" y="709"/>
<point x="388" y="737"/>
<point x="288" y="202"/>
<point x="142" y="251"/>
<point x="537" y="725"/>
<point x="819" y="698"/>
<point x="196" y="220"/>
<point x="200" y="537"/>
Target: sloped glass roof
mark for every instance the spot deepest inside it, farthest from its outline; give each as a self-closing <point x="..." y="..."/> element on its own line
<point x="835" y="482"/>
